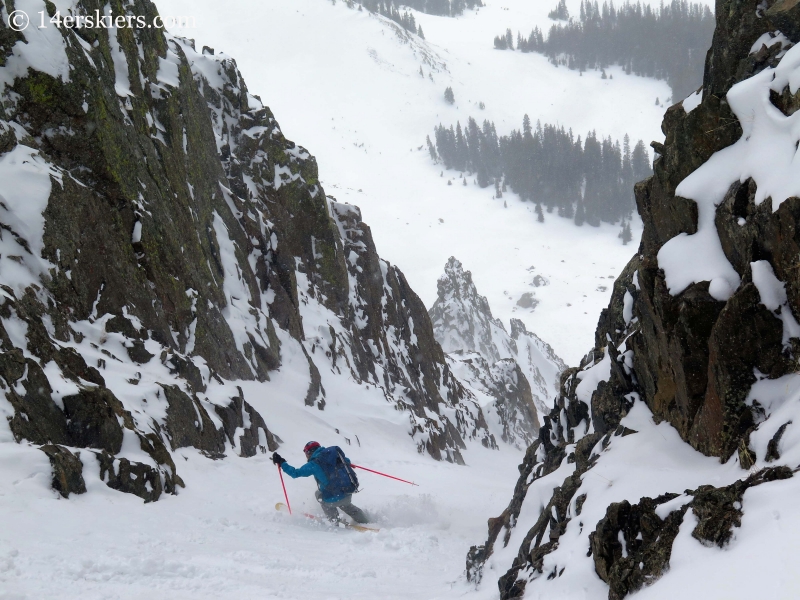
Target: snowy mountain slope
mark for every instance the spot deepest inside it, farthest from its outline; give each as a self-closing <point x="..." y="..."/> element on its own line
<point x="669" y="459"/>
<point x="518" y="371"/>
<point x="348" y="84"/>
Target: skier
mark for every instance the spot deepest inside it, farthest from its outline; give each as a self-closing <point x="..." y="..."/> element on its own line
<point x="335" y="478"/>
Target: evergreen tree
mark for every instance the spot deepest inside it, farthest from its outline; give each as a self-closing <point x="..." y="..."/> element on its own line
<point x="640" y="163"/>
<point x="625" y="235"/>
<point x="539" y="213"/>
<point x="580" y="217"/>
<point x="431" y="149"/>
<point x="560" y="12"/>
<point x="419" y="32"/>
<point x="449" y="97"/>
<point x="461" y="150"/>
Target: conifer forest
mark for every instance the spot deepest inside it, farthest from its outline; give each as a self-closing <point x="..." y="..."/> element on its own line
<point x="588" y="181"/>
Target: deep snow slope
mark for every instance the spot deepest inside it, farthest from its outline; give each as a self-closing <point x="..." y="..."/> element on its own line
<point x="668" y="464"/>
<point x="348" y="84"/>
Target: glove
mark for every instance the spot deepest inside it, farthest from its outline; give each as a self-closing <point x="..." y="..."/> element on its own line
<point x="278" y="459"/>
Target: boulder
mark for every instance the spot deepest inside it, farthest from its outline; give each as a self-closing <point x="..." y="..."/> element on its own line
<point x="67" y="470"/>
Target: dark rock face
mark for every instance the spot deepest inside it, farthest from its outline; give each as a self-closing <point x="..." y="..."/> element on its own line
<point x="255" y="436"/>
<point x="188" y="424"/>
<point x="694" y="356"/>
<point x="718" y="510"/>
<point x="632" y="544"/>
<point x="515" y="405"/>
<point x="67" y="470"/>
<point x="690" y="357"/>
<point x="463" y="318"/>
<point x="92" y="420"/>
<point x="183" y="230"/>
<point x="132" y="477"/>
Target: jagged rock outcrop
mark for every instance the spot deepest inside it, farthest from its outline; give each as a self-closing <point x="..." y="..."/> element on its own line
<point x="632" y="544"/>
<point x="700" y="333"/>
<point x="520" y="371"/>
<point x="159" y="237"/>
<point x="67" y="470"/>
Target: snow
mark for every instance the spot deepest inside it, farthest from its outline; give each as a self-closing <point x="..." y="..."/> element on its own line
<point x="136" y="236"/>
<point x="222" y="538"/>
<point x="651" y="462"/>
<point x="122" y="84"/>
<point x="591" y="376"/>
<point x="25" y="185"/>
<point x="627" y="307"/>
<point x="43" y="49"/>
<point x="772" y="291"/>
<point x="368" y="111"/>
<point x="692" y="101"/>
<point x="168" y="69"/>
<point x="769" y="39"/>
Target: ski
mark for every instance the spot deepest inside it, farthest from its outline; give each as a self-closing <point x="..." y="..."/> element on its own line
<point x="281" y="507"/>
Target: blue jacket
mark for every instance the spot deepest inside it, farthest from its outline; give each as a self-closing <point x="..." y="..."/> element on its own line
<point x="312" y="469"/>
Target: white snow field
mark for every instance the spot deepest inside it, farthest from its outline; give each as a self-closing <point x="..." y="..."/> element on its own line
<point x="346" y="85"/>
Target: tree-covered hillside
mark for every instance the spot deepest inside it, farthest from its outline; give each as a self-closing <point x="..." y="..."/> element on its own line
<point x="589" y="181"/>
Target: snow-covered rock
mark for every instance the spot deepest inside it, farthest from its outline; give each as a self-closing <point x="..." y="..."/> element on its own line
<point x="518" y="370"/>
<point x="674" y="438"/>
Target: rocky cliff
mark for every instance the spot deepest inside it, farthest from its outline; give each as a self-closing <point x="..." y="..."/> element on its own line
<point x="519" y="371"/>
<point x="696" y="354"/>
<point x="159" y="236"/>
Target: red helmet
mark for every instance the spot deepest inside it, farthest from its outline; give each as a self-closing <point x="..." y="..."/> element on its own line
<point x="310" y="447"/>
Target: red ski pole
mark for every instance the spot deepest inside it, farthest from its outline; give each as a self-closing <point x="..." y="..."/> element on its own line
<point x="285" y="495"/>
<point x="383" y="474"/>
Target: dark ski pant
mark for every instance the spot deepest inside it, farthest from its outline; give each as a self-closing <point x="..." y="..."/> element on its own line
<point x="331" y="509"/>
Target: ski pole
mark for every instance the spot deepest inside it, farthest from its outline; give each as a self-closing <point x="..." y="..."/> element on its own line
<point x="285" y="495"/>
<point x="383" y="474"/>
